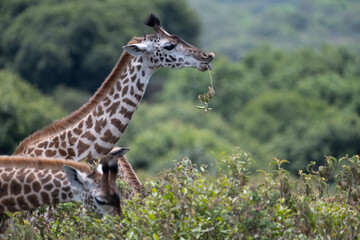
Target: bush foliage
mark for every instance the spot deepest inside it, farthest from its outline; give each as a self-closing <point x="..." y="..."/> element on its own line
<point x="183" y="203"/>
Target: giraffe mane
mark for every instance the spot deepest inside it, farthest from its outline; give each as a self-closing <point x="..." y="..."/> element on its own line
<point x="79" y="114"/>
<point x="40" y="163"/>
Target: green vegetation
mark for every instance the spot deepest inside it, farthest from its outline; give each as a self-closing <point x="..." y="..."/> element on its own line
<point x="297" y="98"/>
<point x="298" y="105"/>
<point x="182" y="203"/>
<point x="173" y="131"/>
<point x="233" y="27"/>
<point x="77" y="43"/>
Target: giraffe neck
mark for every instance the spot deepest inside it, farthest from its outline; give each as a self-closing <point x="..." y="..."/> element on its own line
<point x="127" y="174"/>
<point x="95" y="128"/>
<point x="25" y="189"/>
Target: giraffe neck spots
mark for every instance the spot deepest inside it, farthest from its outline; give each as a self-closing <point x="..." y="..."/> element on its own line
<point x="97" y="133"/>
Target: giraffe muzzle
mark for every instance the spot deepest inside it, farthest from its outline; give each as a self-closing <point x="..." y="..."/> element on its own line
<point x="207" y="58"/>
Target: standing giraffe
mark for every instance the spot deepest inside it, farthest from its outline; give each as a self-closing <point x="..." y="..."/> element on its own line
<point x="28" y="182"/>
<point x="94" y="129"/>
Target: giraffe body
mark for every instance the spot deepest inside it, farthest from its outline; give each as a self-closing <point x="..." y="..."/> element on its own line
<point x="27" y="183"/>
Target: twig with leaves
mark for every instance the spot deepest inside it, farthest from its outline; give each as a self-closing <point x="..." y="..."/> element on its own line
<point x="206" y="97"/>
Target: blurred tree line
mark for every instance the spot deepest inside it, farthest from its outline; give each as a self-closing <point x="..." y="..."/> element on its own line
<point x="235" y="26"/>
<point x="76" y="43"/>
<point x="298" y="105"/>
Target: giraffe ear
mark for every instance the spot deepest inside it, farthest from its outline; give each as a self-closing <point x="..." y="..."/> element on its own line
<point x="78" y="180"/>
<point x="136" y="49"/>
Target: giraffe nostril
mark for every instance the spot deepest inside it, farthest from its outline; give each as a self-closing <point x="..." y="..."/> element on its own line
<point x="211" y="55"/>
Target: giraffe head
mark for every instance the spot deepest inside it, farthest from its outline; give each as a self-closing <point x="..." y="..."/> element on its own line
<point x="162" y="49"/>
<point x="98" y="194"/>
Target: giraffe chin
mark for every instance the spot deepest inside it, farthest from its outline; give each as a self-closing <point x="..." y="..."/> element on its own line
<point x="205" y="66"/>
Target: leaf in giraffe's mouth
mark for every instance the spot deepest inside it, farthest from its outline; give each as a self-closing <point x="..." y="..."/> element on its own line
<point x="205" y="98"/>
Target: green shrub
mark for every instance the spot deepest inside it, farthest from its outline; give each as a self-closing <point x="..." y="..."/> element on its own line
<point x="183" y="203"/>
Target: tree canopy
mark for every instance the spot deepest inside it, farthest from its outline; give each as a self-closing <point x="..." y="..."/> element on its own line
<point x="299" y="105"/>
<point x="23" y="110"/>
<point x="76" y="43"/>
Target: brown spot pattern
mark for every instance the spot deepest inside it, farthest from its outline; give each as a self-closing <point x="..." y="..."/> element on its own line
<point x="22" y="203"/>
<point x="138" y="97"/>
<point x="117" y="123"/>
<point x="125" y="90"/>
<point x="36" y="186"/>
<point x="129" y="102"/>
<point x="15" y="187"/>
<point x="45" y="197"/>
<point x="33" y="199"/>
<point x="50" y="153"/>
<point x="89" y="135"/>
<point x="71" y="152"/>
<point x="109" y="137"/>
<point x="43" y="145"/>
<point x="99" y="149"/>
<point x="4" y="188"/>
<point x="99" y="125"/>
<point x="127" y="114"/>
<point x="48" y="187"/>
<point x="118" y="86"/>
<point x="47" y="179"/>
<point x="27" y="189"/>
<point x="112" y="109"/>
<point x="30" y="177"/>
<point x="107" y="101"/>
<point x="82" y="147"/>
<point x="57" y="183"/>
<point x="38" y="152"/>
<point x="112" y="91"/>
<point x="99" y="111"/>
<point x="62" y="152"/>
<point x="77" y="131"/>
<point x="89" y="122"/>
<point x="62" y="136"/>
<point x="140" y="85"/>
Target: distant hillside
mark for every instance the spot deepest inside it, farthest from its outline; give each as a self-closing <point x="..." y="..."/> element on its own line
<point x="235" y="26"/>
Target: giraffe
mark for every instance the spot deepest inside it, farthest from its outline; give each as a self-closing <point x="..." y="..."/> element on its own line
<point x="29" y="182"/>
<point x="127" y="174"/>
<point x="95" y="128"/>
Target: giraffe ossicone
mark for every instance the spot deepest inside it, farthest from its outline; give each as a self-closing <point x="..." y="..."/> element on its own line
<point x="94" y="129"/>
<point x="28" y="182"/>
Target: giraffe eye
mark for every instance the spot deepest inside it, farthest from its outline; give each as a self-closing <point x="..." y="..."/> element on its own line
<point x="169" y="46"/>
<point x="99" y="201"/>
